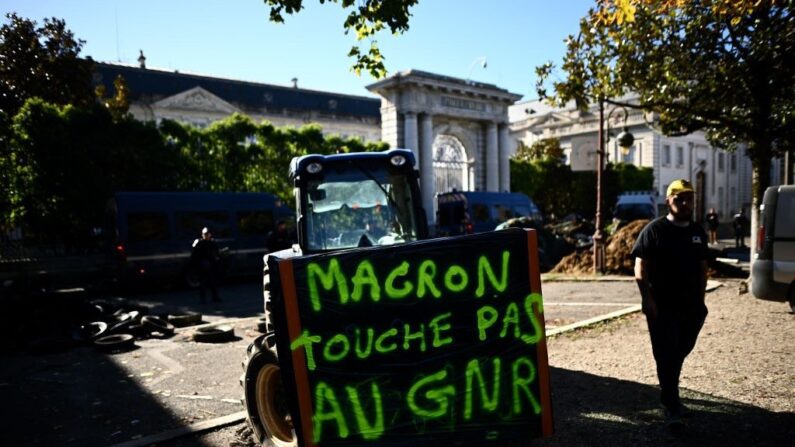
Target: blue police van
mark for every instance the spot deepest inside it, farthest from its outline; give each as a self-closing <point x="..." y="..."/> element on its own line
<point x="153" y="232"/>
<point x="468" y="212"/>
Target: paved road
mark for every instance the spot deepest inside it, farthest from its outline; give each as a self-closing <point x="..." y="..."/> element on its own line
<point x="84" y="397"/>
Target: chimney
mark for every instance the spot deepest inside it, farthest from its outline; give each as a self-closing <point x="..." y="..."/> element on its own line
<point x="295" y="82"/>
<point x="142" y="60"/>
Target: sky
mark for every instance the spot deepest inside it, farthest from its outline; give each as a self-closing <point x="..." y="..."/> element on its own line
<point x="234" y="39"/>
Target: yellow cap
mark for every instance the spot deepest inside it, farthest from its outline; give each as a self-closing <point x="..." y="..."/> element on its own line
<point x="678" y="187"/>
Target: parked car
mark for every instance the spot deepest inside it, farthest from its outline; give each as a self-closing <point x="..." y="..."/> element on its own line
<point x="634" y="205"/>
<point x="773" y="269"/>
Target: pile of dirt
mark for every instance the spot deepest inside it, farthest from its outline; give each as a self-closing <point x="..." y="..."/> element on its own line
<point x="618" y="258"/>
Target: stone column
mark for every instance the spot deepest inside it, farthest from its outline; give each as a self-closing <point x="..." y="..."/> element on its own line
<point x="492" y="169"/>
<point x="427" y="178"/>
<point x="410" y="137"/>
<point x="505" y="157"/>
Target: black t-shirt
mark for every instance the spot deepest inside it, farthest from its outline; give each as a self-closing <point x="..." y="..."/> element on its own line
<point x="675" y="255"/>
<point x="205" y="253"/>
<point x="712" y="220"/>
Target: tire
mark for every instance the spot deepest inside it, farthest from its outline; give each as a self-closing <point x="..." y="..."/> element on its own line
<point x="188" y="319"/>
<point x="121" y="326"/>
<point x="263" y="395"/>
<point x="214" y="334"/>
<point x="138" y="330"/>
<point x="791" y="297"/>
<point x="157" y="324"/>
<point x="132" y="315"/>
<point x="115" y="342"/>
<point x="92" y="331"/>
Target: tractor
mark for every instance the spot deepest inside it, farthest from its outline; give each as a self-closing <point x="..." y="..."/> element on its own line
<point x="343" y="201"/>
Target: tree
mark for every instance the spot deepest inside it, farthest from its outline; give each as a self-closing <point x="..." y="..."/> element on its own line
<point x="64" y="162"/>
<point x="366" y="18"/>
<point x="540" y="149"/>
<point x="720" y="66"/>
<point x="42" y="61"/>
<point x="119" y="104"/>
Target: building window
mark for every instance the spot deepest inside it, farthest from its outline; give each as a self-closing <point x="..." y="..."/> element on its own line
<point x="733" y="163"/>
<point x="666" y="155"/>
<point x="721" y="200"/>
<point x="680" y="156"/>
<point x="721" y="162"/>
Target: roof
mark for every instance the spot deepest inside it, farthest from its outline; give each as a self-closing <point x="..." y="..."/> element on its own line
<point x="150" y="85"/>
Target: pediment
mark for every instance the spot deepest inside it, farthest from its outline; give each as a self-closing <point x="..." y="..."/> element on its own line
<point x="196" y="99"/>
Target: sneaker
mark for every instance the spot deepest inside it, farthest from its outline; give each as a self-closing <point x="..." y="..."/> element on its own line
<point x="673" y="421"/>
<point x="684" y="411"/>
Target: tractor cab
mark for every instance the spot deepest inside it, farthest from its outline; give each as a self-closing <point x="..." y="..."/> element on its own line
<point x="357" y="200"/>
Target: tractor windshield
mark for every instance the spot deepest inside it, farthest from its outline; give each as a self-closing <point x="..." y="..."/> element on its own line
<point x="357" y="206"/>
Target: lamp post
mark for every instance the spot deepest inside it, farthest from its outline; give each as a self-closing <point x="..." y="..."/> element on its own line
<point x="625" y="140"/>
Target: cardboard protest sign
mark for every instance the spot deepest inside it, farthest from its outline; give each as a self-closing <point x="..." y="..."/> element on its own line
<point x="438" y="340"/>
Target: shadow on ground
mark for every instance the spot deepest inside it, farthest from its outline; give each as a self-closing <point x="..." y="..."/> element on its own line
<point x="56" y="388"/>
<point x="592" y="410"/>
<point x="79" y="397"/>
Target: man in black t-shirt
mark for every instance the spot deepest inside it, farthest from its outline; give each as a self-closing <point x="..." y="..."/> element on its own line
<point x="670" y="269"/>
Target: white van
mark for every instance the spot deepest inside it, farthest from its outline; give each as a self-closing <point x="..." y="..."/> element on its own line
<point x="633" y="205"/>
<point x="773" y="269"/>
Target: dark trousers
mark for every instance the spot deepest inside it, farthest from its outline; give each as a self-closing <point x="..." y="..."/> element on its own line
<point x="739" y="239"/>
<point x="207" y="281"/>
<point x="672" y="339"/>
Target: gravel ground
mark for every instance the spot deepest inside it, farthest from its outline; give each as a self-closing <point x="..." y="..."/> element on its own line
<point x="738" y="381"/>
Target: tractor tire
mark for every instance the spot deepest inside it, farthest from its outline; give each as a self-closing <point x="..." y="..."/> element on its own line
<point x="263" y="395"/>
<point x="263" y="326"/>
<point x="268" y="320"/>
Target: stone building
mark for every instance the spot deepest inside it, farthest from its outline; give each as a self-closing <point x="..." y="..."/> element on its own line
<point x="200" y="100"/>
<point x="458" y="129"/>
<point x="722" y="179"/>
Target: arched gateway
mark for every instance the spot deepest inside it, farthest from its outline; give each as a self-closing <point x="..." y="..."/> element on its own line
<point x="458" y="130"/>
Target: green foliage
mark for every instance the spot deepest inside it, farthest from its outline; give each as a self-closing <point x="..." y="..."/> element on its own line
<point x="236" y="154"/>
<point x="633" y="178"/>
<point x="64" y="162"/>
<point x="543" y="148"/>
<point x="41" y="61"/>
<point x="365" y="18"/>
<point x="558" y="191"/>
<point x="711" y="66"/>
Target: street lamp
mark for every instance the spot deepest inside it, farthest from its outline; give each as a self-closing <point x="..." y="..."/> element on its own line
<point x="625" y="140"/>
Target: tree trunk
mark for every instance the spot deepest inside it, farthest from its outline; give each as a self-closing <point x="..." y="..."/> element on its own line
<point x="760" y="180"/>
